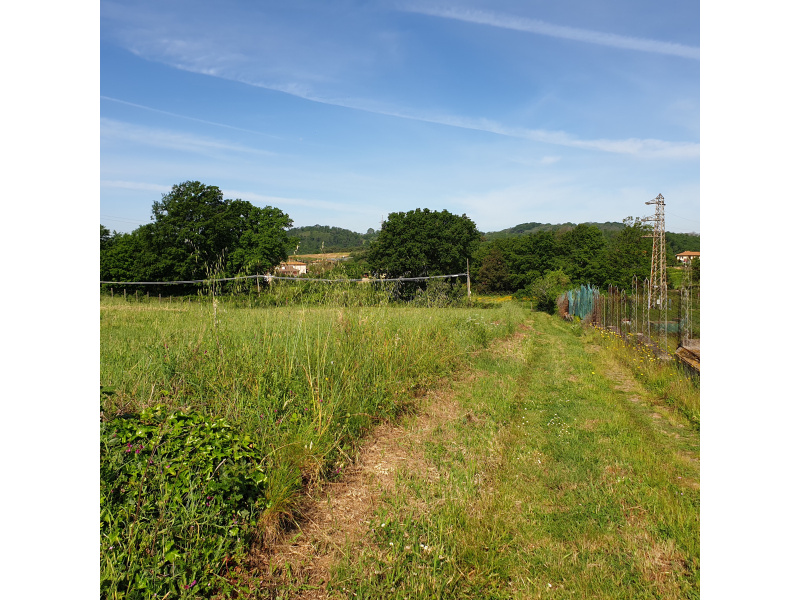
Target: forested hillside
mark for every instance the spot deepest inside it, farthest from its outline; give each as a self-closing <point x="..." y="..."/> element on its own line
<point x="607" y="229"/>
<point x="323" y="238"/>
<point x="681" y="242"/>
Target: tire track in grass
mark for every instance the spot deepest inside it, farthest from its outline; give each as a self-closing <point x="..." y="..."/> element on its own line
<point x="340" y="514"/>
<point x="541" y="472"/>
<point x="616" y="476"/>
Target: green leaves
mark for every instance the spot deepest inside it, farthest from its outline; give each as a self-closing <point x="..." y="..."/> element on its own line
<point x="177" y="490"/>
<point x="193" y="228"/>
<point x="423" y="242"/>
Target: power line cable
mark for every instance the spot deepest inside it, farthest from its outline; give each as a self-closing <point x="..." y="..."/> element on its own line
<point x="684" y="218"/>
<point x="271" y="277"/>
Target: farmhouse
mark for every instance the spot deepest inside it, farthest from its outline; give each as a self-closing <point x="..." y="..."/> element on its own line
<point x="291" y="268"/>
<point x="687" y="257"/>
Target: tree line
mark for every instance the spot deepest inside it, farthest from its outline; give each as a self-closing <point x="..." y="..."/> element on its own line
<point x="196" y="234"/>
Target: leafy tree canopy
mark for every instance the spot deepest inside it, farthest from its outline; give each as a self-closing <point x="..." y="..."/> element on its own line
<point x="628" y="255"/>
<point x="194" y="232"/>
<point x="579" y="253"/>
<point x="493" y="274"/>
<point x="422" y="243"/>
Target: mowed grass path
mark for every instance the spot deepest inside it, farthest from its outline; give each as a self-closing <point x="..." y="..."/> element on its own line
<point x="557" y="476"/>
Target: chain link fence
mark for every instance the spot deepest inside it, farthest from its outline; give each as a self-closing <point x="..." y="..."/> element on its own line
<point x="638" y="316"/>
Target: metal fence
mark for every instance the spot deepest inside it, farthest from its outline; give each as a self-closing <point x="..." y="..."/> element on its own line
<point x="636" y="315"/>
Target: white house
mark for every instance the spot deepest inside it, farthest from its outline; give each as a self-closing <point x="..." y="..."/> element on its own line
<point x="687" y="257"/>
<point x="291" y="268"/>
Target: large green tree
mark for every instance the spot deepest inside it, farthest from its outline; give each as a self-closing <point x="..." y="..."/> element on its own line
<point x="193" y="226"/>
<point x="423" y="242"/>
<point x="493" y="274"/>
<point x="263" y="240"/>
<point x="579" y="252"/>
<point x="628" y="255"/>
<point x="196" y="232"/>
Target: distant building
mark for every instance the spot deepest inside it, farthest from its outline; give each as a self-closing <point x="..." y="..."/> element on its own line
<point x="687" y="257"/>
<point x="291" y="268"/>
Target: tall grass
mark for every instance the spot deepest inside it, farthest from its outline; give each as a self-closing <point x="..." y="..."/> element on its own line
<point x="304" y="383"/>
<point x="550" y="481"/>
<point x="671" y="385"/>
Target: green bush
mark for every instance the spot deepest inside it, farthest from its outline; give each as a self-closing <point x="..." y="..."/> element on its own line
<point x="544" y="290"/>
<point x="180" y="499"/>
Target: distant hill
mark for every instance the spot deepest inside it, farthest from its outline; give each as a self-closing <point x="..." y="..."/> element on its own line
<point x="314" y="239"/>
<point x="608" y="228"/>
<point x="675" y="242"/>
<point x="336" y="239"/>
<point x="681" y="242"/>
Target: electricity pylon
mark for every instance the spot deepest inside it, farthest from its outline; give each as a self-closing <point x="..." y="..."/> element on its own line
<point x="657" y="294"/>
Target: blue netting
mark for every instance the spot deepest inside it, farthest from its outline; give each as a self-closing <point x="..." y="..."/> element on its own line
<point x="581" y="301"/>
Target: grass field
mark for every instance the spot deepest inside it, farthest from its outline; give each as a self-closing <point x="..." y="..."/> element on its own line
<point x="555" y="464"/>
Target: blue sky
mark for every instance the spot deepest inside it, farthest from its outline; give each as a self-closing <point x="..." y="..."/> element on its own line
<point x="340" y="113"/>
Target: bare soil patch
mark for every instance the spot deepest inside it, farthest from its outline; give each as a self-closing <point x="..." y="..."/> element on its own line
<point x="339" y="512"/>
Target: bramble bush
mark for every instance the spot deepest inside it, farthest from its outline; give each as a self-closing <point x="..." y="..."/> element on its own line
<point x="180" y="499"/>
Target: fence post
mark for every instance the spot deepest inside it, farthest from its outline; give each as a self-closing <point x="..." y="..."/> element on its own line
<point x="112" y="292"/>
<point x="469" y="289"/>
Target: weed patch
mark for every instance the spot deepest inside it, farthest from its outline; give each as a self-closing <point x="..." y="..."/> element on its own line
<point x="181" y="496"/>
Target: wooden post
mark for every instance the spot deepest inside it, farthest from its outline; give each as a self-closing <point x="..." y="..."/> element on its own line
<point x="136" y="295"/>
<point x="469" y="289"/>
<point x="125" y="293"/>
<point x="258" y="284"/>
<point x="159" y="298"/>
<point x="112" y="292"/>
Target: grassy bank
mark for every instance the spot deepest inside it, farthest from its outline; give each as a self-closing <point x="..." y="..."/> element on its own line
<point x="289" y="391"/>
<point x="565" y="467"/>
<point x="560" y="474"/>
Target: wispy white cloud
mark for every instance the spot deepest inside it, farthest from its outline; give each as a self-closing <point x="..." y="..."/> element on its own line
<point x="651" y="148"/>
<point x="135" y="185"/>
<point x="243" y="59"/>
<point x="536" y="26"/>
<point x="171" y="114"/>
<point x="648" y="148"/>
<point x="112" y="129"/>
<point x="278" y="201"/>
